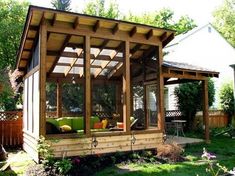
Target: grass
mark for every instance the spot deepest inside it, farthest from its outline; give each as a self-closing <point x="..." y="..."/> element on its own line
<point x="222" y="147"/>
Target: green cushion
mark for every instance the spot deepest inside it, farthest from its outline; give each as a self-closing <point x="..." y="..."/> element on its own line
<point x="53" y="121"/>
<point x="94" y="119"/>
<point x="64" y="121"/>
<point x="77" y="123"/>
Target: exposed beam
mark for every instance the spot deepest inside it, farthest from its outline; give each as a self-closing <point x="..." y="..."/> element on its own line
<point x="54" y="19"/>
<point x="112" y="56"/>
<point x="121" y="36"/>
<point x="59" y="54"/>
<point x="135" y="49"/>
<point x="73" y="54"/>
<point x="81" y="65"/>
<point x="76" y="23"/>
<point x="115" y="69"/>
<point x="163" y="36"/>
<point x="105" y="42"/>
<point x="96" y="26"/>
<point x="133" y="31"/>
<point x="115" y="29"/>
<point x="93" y="46"/>
<point x="33" y="28"/>
<point x="167" y="40"/>
<point x="79" y="51"/>
<point x="149" y="35"/>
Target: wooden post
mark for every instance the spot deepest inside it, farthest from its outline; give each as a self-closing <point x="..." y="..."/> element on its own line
<point x="87" y="87"/>
<point x="42" y="78"/>
<point x="59" y="99"/>
<point x="145" y="97"/>
<point x="205" y="109"/>
<point x="160" y="91"/>
<point x="126" y="87"/>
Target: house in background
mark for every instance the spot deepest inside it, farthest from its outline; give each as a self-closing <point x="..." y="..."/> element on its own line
<point x="202" y="46"/>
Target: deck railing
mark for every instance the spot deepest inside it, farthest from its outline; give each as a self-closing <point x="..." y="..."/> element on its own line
<point x="11" y="128"/>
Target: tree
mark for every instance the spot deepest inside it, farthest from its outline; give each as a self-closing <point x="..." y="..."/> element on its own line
<point x="97" y="8"/>
<point x="12" y="18"/>
<point x="227" y="99"/>
<point x="224" y="20"/>
<point x="189" y="98"/>
<point x="61" y="4"/>
<point x="164" y="19"/>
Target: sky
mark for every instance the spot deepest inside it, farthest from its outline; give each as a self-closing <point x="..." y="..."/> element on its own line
<point x="199" y="10"/>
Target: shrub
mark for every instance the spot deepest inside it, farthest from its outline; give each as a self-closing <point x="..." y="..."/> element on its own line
<point x="227" y="99"/>
<point x="189" y="98"/>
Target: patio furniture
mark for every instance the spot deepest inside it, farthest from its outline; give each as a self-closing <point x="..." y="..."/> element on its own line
<point x="178" y="124"/>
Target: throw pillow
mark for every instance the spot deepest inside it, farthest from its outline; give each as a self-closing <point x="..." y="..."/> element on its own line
<point x="98" y="125"/>
<point x="65" y="128"/>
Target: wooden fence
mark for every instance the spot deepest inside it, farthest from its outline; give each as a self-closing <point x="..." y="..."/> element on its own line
<point x="217" y="119"/>
<point x="11" y="134"/>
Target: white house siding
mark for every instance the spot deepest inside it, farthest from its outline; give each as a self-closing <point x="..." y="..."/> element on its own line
<point x="204" y="47"/>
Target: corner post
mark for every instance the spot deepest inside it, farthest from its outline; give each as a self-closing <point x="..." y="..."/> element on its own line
<point x="59" y="99"/>
<point x="87" y="87"/>
<point x="160" y="91"/>
<point x="42" y="78"/>
<point x="126" y="87"/>
<point x="205" y="109"/>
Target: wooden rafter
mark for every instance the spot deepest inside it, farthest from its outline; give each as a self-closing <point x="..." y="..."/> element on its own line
<point x="79" y="51"/>
<point x="59" y="54"/>
<point x="115" y="69"/>
<point x="133" y="31"/>
<point x="135" y="49"/>
<point x="149" y="35"/>
<point x="73" y="54"/>
<point x="76" y="23"/>
<point x="100" y="50"/>
<point x="163" y="36"/>
<point x="112" y="56"/>
<point x="167" y="40"/>
<point x="54" y="19"/>
<point x="96" y="26"/>
<point x="81" y="65"/>
<point x="115" y="29"/>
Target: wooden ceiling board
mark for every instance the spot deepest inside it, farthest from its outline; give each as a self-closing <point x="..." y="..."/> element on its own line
<point x="55" y="42"/>
<point x="31" y="34"/>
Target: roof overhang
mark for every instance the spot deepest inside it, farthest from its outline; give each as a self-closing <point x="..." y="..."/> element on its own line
<point x="79" y="23"/>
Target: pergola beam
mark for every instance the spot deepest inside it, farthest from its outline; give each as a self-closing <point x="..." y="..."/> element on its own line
<point x="114" y="70"/>
<point x="105" y="63"/>
<point x="79" y="51"/>
<point x="68" y="37"/>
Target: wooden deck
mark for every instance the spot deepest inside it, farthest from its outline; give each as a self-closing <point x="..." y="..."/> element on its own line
<point x="183" y="140"/>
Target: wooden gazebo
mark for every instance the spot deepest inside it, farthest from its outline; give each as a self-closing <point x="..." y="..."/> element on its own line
<point x="58" y="46"/>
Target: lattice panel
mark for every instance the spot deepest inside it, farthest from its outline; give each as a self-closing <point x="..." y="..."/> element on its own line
<point x="173" y="113"/>
<point x="10" y="115"/>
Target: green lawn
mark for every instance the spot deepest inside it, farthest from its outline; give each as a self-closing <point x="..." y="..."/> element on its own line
<point x="222" y="147"/>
